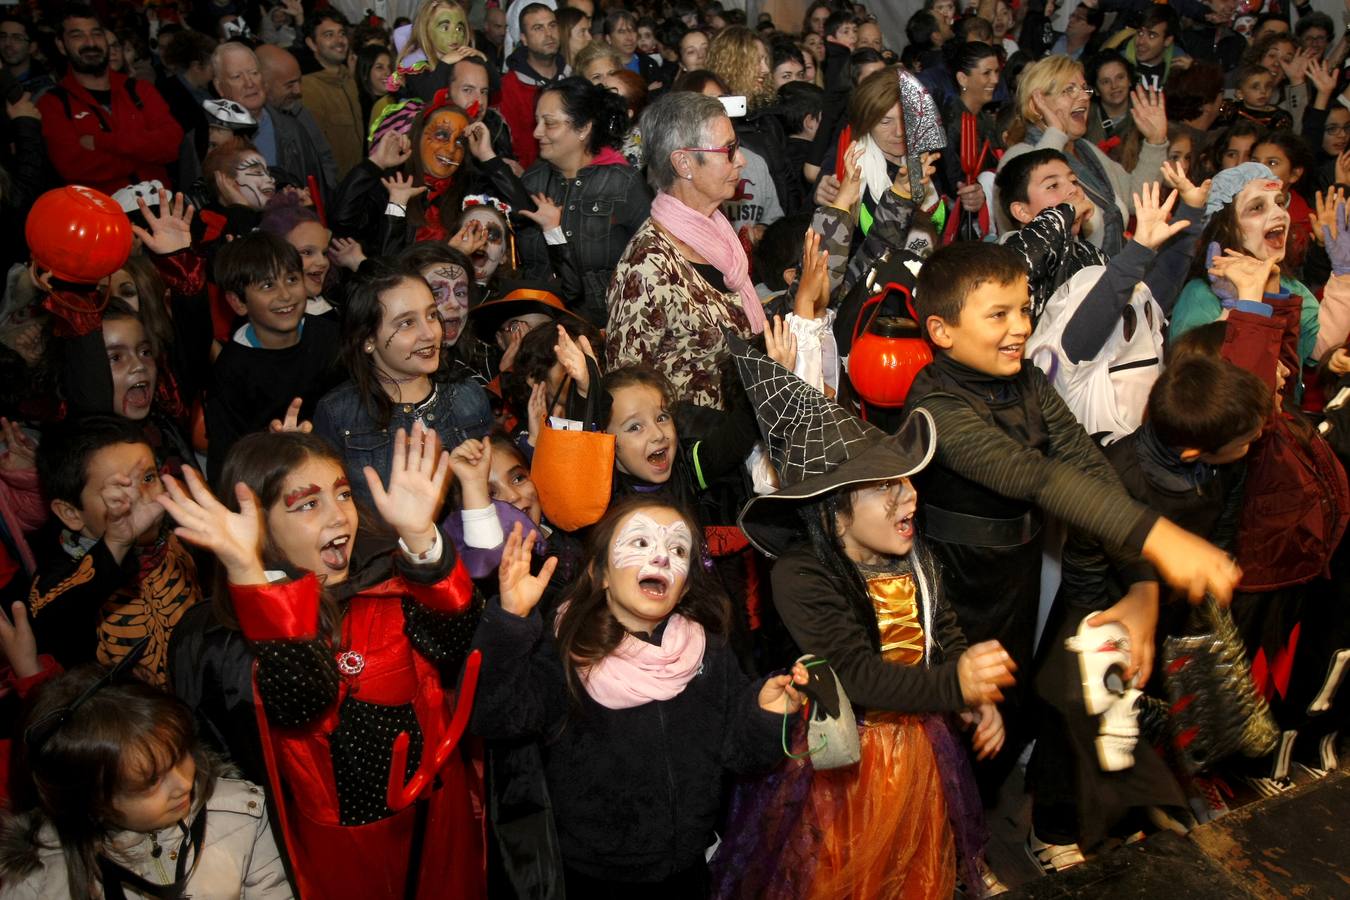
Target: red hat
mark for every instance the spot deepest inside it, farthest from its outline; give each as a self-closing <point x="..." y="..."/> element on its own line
<point x="79" y="234"/>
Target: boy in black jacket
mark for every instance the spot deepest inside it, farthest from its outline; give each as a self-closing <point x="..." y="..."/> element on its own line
<point x="279" y="354"/>
<point x="1010" y="453"/>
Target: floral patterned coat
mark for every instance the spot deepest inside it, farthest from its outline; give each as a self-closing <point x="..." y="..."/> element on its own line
<point x="664" y="314"/>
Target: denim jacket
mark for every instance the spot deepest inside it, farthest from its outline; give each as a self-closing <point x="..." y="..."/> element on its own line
<point x="457" y="410"/>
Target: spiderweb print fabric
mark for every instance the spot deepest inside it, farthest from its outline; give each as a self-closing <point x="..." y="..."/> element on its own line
<point x="805" y="432"/>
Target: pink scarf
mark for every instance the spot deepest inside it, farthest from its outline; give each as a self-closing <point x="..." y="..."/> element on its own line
<point x="713" y="238"/>
<point x="637" y="672"/>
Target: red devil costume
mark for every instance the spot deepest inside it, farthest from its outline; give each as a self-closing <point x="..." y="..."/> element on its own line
<point x="357" y="728"/>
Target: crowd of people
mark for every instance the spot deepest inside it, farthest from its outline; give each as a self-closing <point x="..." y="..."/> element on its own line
<point x="619" y="448"/>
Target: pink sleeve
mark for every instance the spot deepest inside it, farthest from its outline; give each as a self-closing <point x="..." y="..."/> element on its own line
<point x="1333" y="319"/>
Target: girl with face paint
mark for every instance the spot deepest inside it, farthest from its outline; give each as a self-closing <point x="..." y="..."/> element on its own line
<point x="391" y="344"/>
<point x="1249" y="215"/>
<point x="637" y="653"/>
<point x="439" y="38"/>
<point x="334" y="607"/>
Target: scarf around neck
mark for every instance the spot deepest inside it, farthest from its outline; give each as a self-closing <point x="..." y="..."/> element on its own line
<point x="1097" y="184"/>
<point x="638" y="672"/>
<point x="713" y="238"/>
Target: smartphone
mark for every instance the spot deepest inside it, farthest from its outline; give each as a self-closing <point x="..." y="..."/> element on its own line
<point x="735" y="106"/>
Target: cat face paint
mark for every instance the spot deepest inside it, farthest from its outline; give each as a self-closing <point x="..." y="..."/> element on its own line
<point x="648" y="567"/>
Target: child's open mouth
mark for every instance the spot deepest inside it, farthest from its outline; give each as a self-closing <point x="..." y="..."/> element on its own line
<point x="905" y="527"/>
<point x="654" y="586"/>
<point x="1275" y="237"/>
<point x="334" y="553"/>
<point x="137" y="396"/>
<point x="285" y="310"/>
<point x="659" y="459"/>
<point x="1011" y="351"/>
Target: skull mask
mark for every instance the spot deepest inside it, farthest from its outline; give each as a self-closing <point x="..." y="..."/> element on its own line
<point x="1103" y="658"/>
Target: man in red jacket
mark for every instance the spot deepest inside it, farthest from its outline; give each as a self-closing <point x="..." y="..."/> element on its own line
<point x="101" y="128"/>
<point x="533" y="64"/>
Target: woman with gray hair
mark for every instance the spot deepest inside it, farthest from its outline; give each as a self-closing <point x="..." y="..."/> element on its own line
<point x="684" y="277"/>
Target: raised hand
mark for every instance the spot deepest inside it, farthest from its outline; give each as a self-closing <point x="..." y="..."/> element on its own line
<point x="1334" y="216"/>
<point x="983" y="670"/>
<point x="391" y="150"/>
<point x="813" y="281"/>
<point x="470" y="238"/>
<point x="170" y="225"/>
<point x="988" y="737"/>
<point x="546" y="213"/>
<point x="1152" y="229"/>
<point x="1150" y="114"/>
<point x="572" y="357"/>
<point x="234" y="537"/>
<point x="780" y="344"/>
<point x="471" y="462"/>
<point x="1249" y="276"/>
<point x="850" y="188"/>
<point x="1324" y="79"/>
<point x="1343" y="168"/>
<point x="1296" y="70"/>
<point x="347" y="252"/>
<point x="1174" y="176"/>
<point x="292" y="421"/>
<point x="519" y="590"/>
<point x="480" y="142"/>
<point x="827" y="191"/>
<point x="1138" y="612"/>
<point x="20" y="451"/>
<point x="418" y="477"/>
<point x="401" y="188"/>
<point x="537" y="411"/>
<point x="129" y="513"/>
<point x="17" y="642"/>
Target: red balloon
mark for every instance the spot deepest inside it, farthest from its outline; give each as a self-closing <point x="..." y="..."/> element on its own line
<point x="78" y="233"/>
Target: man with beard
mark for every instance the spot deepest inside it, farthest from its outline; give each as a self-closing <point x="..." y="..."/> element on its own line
<point x="101" y="128"/>
<point x="533" y="64"/>
<point x="330" y="94"/>
<point x="267" y="84"/>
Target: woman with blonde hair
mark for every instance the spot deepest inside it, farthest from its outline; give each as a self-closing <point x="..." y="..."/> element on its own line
<point x="740" y="58"/>
<point x="1053" y="101"/>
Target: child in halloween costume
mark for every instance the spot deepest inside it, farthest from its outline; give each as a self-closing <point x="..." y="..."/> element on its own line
<point x="854" y="589"/>
<point x="351" y="702"/>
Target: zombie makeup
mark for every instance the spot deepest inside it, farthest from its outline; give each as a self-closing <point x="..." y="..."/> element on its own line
<point x="486" y="260"/>
<point x="443" y="143"/>
<point x="450" y="287"/>
<point x="254" y="179"/>
<point x="133" y="367"/>
<point x="1263" y="219"/>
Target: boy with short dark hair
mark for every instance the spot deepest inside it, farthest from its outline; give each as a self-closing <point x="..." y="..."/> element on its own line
<point x="277" y="355"/>
<point x="801" y="106"/>
<point x="111" y="575"/>
<point x="1011" y="454"/>
<point x="1099" y="322"/>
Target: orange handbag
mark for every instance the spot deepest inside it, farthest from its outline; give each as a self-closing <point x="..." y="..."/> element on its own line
<point x="573" y="471"/>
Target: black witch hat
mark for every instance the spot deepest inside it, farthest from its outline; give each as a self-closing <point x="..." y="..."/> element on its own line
<point x="816" y="446"/>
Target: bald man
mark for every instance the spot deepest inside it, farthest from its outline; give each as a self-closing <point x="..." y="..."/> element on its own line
<point x="288" y="137"/>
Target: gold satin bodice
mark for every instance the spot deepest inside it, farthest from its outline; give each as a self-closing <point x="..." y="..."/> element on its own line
<point x="895" y="599"/>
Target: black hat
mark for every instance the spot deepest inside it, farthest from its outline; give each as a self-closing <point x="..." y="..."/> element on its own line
<point x="816" y="446"/>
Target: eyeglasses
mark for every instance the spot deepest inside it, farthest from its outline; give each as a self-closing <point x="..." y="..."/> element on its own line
<point x="36" y="736"/>
<point x="1074" y="90"/>
<point x="730" y="150"/>
<point x="1337" y="129"/>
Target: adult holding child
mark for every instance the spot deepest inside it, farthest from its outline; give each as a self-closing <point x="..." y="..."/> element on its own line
<point x="1053" y="100"/>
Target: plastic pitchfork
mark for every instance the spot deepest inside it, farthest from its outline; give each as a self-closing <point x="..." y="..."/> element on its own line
<point x="400" y="795"/>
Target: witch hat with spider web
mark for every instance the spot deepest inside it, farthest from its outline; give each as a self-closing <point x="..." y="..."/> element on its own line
<point x="816" y="446"/>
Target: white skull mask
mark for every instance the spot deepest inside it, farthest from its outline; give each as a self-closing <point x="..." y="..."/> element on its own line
<point x="1103" y="659"/>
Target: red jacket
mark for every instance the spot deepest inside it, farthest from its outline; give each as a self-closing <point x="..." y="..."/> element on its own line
<point x="1296" y="503"/>
<point x="517" y="109"/>
<point x="133" y="141"/>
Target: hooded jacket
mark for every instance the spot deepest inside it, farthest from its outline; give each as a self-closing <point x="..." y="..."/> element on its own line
<point x="520" y="87"/>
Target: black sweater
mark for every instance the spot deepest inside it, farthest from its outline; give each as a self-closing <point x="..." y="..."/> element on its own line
<point x="636" y="792"/>
<point x="815" y="608"/>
